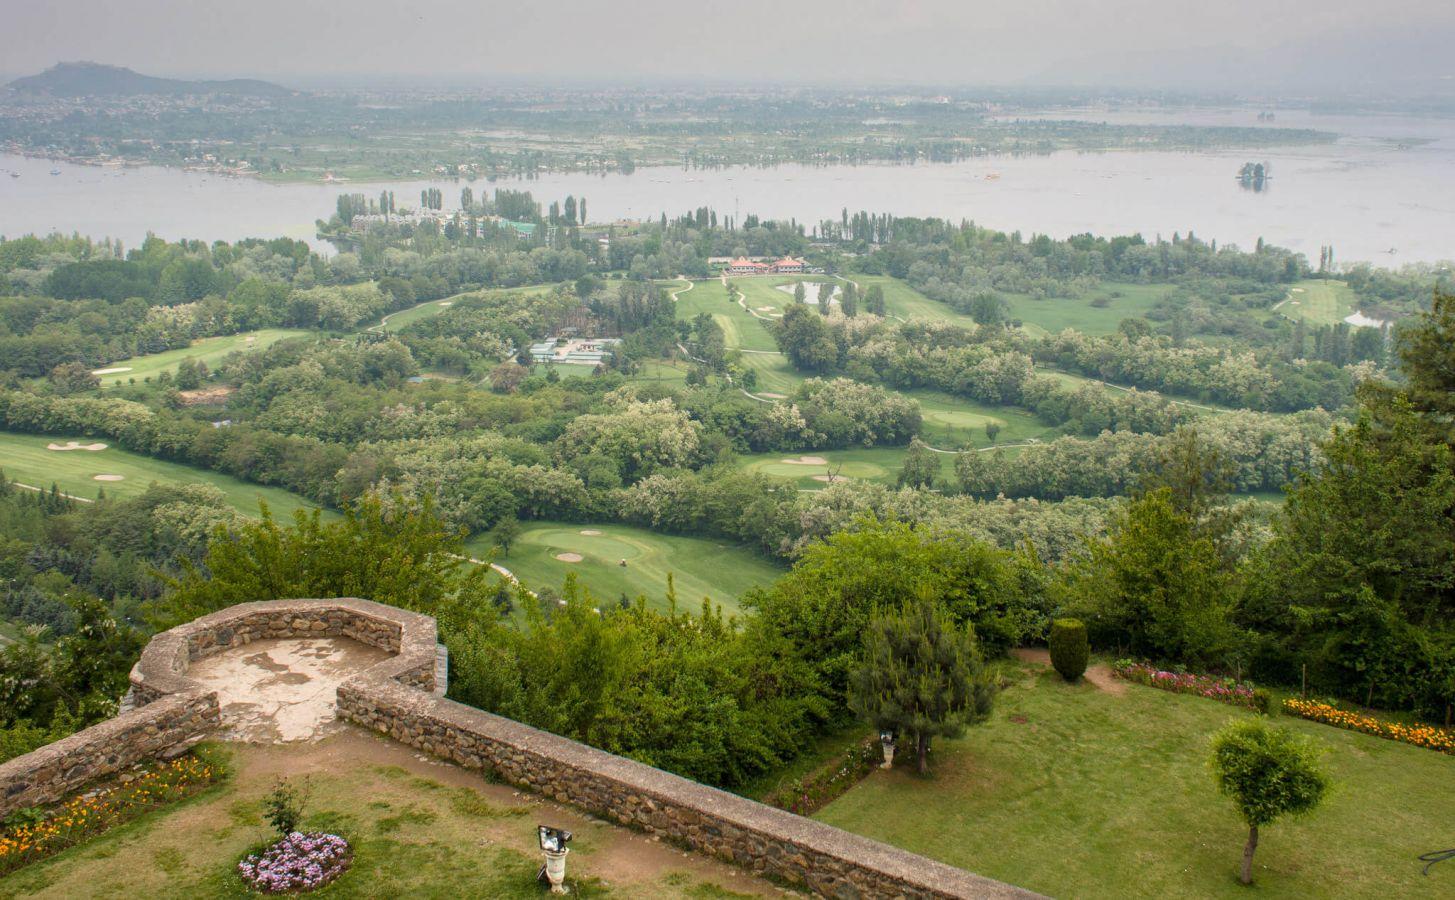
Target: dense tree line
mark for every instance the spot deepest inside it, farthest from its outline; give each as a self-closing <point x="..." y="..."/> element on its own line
<point x="74" y="578"/>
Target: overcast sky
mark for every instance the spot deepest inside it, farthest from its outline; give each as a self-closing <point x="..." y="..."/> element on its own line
<point x="919" y="41"/>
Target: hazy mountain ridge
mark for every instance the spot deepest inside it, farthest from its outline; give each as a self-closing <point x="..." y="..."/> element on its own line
<point x="80" y="79"/>
<point x="1389" y="59"/>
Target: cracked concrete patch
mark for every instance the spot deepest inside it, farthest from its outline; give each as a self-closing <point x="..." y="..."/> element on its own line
<point x="282" y="690"/>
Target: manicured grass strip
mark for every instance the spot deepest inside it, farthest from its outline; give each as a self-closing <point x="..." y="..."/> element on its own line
<point x="700" y="567"/>
<point x="1099" y="311"/>
<point x="740" y="328"/>
<point x="907" y="303"/>
<point x="1319" y="301"/>
<point x="952" y="423"/>
<point x="397" y="321"/>
<point x="208" y="350"/>
<point x="1076" y="792"/>
<point x="24" y="458"/>
<point x="1427" y="736"/>
<point x="876" y="464"/>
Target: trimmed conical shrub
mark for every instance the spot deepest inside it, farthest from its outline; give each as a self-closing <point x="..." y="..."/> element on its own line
<point x="1069" y="648"/>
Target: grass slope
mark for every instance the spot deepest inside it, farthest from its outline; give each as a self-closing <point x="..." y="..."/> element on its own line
<point x="877" y="464"/>
<point x="952" y="422"/>
<point x="701" y="567"/>
<point x="24" y="458"/>
<point x="1053" y="314"/>
<point x="397" y="321"/>
<point x="741" y="329"/>
<point x="1075" y="792"/>
<point x="208" y="350"/>
<point x="904" y="301"/>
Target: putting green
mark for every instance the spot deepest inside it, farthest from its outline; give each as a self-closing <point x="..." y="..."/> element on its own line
<point x="1320" y="301"/>
<point x="700" y="567"/>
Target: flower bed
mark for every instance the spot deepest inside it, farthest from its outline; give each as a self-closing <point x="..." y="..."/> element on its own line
<point x="1223" y="690"/>
<point x="807" y="796"/>
<point x="296" y="863"/>
<point x="1427" y="736"/>
<point x="39" y="833"/>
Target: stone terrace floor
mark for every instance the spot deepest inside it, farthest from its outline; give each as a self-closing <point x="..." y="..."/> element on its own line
<point x="282" y="690"/>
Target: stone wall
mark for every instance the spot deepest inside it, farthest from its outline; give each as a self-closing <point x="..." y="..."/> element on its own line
<point x="57" y="770"/>
<point x="402" y="697"/>
<point x="170" y="712"/>
<point x="763" y="839"/>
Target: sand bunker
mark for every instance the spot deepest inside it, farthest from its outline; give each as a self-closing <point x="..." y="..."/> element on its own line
<point x="75" y="445"/>
<point x="1297" y="290"/>
<point x="807" y="461"/>
<point x="569" y="557"/>
<point x="590" y="531"/>
<point x="250" y="338"/>
<point x="766" y="308"/>
<point x="108" y="477"/>
<point x="447" y="303"/>
<point x="830" y="479"/>
<point x="112" y="371"/>
<point x="772" y="396"/>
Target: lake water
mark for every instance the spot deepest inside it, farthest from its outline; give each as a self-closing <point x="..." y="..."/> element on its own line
<point x="1387" y="184"/>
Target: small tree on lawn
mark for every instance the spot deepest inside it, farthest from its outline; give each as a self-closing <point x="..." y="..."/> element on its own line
<point x="1269" y="773"/>
<point x="505" y="533"/>
<point x="921" y="676"/>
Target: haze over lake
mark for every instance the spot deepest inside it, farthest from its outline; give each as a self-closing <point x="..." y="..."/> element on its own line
<point x="1387" y="184"/>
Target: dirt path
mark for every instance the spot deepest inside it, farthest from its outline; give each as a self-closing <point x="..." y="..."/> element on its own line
<point x="41" y="490"/>
<point x="1098" y="674"/>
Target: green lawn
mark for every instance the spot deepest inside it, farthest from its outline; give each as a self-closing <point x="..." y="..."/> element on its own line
<point x="397" y="321"/>
<point x="904" y="301"/>
<point x="701" y="567"/>
<point x="951" y="422"/>
<point x="877" y="464"/>
<point x="774" y="373"/>
<point x="740" y="328"/>
<point x="1075" y="792"/>
<point x="24" y="458"/>
<point x="405" y="317"/>
<point x="208" y="350"/>
<point x="1320" y="301"/>
<point x="1053" y="314"/>
<point x="419" y="828"/>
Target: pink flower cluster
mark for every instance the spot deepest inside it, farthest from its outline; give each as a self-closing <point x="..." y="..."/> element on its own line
<point x="296" y="863"/>
<point x="1224" y="690"/>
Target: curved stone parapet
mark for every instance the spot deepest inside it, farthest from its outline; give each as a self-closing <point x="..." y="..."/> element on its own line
<point x="170" y="712"/>
<point x="402" y="696"/>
